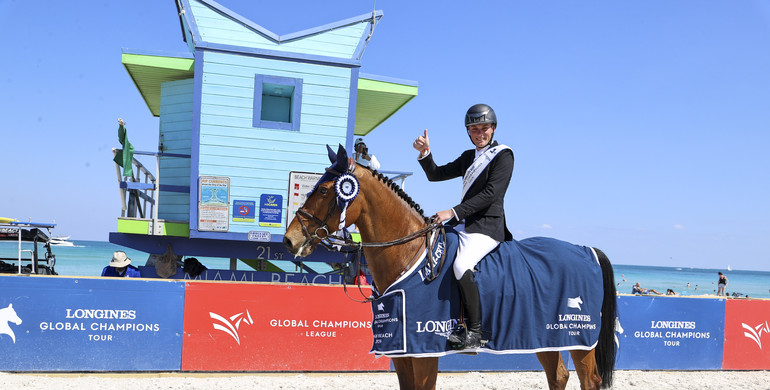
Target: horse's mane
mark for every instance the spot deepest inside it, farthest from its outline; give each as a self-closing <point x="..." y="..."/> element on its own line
<point x="398" y="191"/>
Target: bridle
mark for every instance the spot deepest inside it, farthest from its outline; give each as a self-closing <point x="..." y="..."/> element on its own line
<point x="347" y="245"/>
<point x="322" y="225"/>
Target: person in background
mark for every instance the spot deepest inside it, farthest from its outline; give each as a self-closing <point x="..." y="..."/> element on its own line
<point x="721" y="284"/>
<point x="120" y="267"/>
<point x="363" y="157"/>
<point x="638" y="289"/>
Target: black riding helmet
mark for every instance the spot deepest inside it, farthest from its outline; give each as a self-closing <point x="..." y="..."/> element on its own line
<point x="479" y="114"/>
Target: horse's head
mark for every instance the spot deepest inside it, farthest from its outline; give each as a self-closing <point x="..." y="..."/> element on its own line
<point x="321" y="213"/>
<point x="9" y="315"/>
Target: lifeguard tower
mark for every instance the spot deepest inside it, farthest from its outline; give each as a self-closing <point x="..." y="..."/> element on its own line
<point x="245" y="117"/>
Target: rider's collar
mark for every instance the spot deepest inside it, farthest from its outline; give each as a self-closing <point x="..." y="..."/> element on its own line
<point x="480" y="152"/>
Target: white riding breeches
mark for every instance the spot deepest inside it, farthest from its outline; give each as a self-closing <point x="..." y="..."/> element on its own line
<point x="471" y="249"/>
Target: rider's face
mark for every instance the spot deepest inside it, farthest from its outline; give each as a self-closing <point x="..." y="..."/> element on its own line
<point x="481" y="134"/>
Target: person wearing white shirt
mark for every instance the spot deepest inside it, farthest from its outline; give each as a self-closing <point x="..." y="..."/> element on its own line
<point x="363" y="157"/>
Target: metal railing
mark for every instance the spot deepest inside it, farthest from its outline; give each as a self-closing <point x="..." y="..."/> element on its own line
<point x="397" y="176"/>
<point x="138" y="190"/>
<point x="17" y="228"/>
<point x="139" y="193"/>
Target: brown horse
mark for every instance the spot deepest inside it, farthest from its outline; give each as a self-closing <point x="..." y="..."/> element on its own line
<point x="384" y="213"/>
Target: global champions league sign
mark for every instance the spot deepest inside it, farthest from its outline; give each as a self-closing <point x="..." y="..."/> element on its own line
<point x="89" y="324"/>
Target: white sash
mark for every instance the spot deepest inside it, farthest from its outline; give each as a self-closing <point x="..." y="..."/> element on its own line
<point x="478" y="166"/>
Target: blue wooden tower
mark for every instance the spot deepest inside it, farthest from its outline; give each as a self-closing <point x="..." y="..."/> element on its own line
<point x="245" y="118"/>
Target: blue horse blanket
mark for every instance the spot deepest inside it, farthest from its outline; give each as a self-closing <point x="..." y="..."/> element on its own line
<point x="538" y="294"/>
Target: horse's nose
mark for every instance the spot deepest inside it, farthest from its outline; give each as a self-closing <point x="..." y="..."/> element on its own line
<point x="288" y="244"/>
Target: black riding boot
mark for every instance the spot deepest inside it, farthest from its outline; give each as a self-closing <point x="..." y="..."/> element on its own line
<point x="470" y="335"/>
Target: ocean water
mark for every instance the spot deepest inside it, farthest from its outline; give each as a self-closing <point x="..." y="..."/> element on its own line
<point x="692" y="281"/>
<point x="88" y="258"/>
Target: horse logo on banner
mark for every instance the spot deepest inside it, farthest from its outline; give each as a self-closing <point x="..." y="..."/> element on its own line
<point x="231" y="326"/>
<point x="755" y="333"/>
<point x="8" y="315"/>
<point x="574" y="302"/>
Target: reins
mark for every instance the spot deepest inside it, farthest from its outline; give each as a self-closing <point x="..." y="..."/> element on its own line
<point x="433" y="267"/>
<point x="337" y="241"/>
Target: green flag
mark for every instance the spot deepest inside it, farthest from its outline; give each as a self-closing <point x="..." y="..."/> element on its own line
<point x="125" y="157"/>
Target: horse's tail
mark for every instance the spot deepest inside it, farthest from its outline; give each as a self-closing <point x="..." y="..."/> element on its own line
<point x="605" y="348"/>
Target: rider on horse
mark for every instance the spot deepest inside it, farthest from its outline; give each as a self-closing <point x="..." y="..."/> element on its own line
<point x="480" y="217"/>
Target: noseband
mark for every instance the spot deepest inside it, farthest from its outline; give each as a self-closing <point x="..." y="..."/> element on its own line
<point x="323" y="226"/>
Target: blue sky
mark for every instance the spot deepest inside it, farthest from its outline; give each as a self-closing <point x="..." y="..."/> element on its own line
<point x="638" y="127"/>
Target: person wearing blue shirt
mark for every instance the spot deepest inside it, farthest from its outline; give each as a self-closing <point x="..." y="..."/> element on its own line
<point x="120" y="267"/>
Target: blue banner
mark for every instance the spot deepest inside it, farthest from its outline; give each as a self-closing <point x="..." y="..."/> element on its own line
<point x="670" y="333"/>
<point x="90" y="324"/>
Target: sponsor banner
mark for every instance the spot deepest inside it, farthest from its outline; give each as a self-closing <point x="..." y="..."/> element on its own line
<point x="104" y="324"/>
<point x="250" y="276"/>
<point x="747" y="335"/>
<point x="264" y="327"/>
<point x="670" y="333"/>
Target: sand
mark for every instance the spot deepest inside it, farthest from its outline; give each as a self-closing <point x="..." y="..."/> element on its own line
<point x="626" y="379"/>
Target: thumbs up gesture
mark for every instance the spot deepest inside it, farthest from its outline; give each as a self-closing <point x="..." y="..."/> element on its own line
<point x="421" y="143"/>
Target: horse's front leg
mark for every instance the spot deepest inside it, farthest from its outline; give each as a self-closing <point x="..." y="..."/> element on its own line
<point x="554" y="368"/>
<point x="405" y="372"/>
<point x="425" y="372"/>
<point x="416" y="373"/>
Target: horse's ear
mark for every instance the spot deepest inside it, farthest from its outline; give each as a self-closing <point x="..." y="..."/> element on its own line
<point x="332" y="155"/>
<point x="342" y="158"/>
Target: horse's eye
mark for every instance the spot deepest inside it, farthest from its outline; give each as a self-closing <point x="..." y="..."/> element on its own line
<point x="323" y="190"/>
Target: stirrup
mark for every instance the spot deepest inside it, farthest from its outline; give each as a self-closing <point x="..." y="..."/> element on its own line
<point x="458" y="334"/>
<point x="462" y="338"/>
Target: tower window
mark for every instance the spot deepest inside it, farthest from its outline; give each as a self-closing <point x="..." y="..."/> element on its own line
<point x="277" y="102"/>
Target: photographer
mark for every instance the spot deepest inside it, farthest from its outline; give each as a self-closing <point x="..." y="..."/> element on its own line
<point x="363" y="157"/>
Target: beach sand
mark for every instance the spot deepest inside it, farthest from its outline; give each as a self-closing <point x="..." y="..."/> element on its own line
<point x="626" y="379"/>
